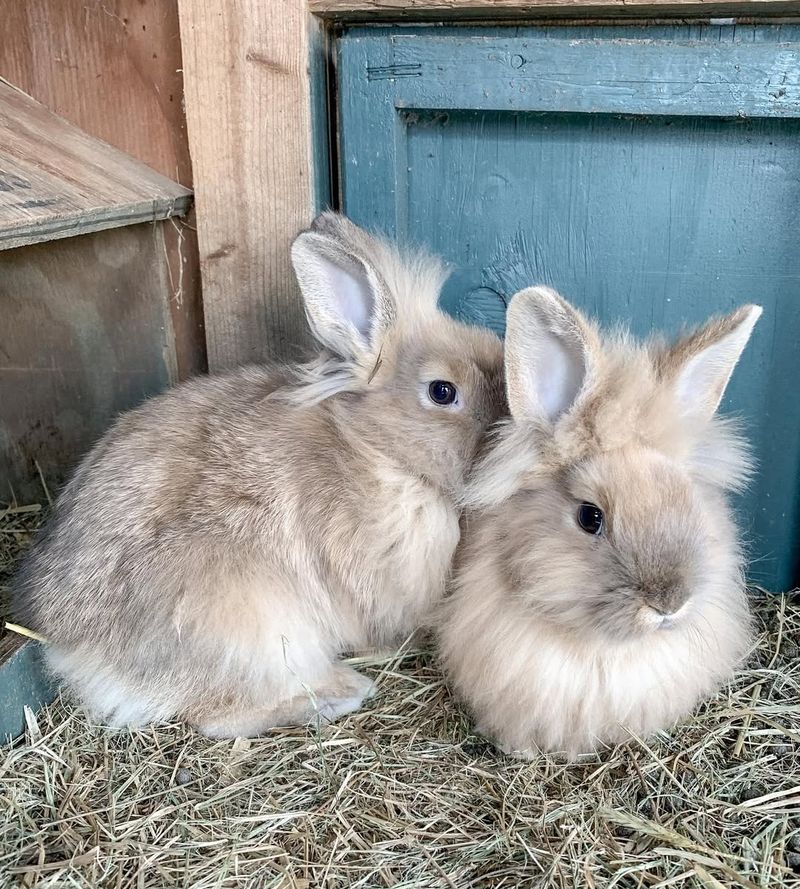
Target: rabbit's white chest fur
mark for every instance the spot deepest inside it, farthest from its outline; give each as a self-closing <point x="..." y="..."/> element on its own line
<point x="411" y="540"/>
<point x="566" y="694"/>
<point x="606" y="692"/>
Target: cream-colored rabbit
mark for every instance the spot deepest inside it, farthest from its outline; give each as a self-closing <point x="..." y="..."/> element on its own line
<point x="599" y="586"/>
<point x="224" y="543"/>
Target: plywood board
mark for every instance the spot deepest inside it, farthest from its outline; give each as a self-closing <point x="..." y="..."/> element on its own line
<point x="86" y="334"/>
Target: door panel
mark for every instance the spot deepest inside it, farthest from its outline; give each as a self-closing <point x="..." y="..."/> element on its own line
<point x="651" y="175"/>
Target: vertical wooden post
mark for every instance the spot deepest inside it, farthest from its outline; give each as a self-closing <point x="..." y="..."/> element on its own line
<point x="248" y="109"/>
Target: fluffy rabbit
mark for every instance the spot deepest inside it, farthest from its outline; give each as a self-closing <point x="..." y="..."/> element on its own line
<point x="599" y="585"/>
<point x="224" y="543"/>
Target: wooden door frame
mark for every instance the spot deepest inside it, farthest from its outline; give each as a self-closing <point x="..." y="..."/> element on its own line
<point x="267" y="62"/>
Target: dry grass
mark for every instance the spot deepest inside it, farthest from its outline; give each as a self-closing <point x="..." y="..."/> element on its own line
<point x="402" y="794"/>
<point x="17" y="526"/>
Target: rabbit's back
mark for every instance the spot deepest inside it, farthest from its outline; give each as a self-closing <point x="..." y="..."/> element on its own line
<point x="131" y="497"/>
<point x="175" y="555"/>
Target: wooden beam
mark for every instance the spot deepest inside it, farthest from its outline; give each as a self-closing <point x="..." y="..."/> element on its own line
<point x="248" y="108"/>
<point x="449" y="10"/>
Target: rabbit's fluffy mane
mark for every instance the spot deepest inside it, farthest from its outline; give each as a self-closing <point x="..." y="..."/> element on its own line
<point x="629" y="399"/>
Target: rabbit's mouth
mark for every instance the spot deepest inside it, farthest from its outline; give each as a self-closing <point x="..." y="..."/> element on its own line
<point x="655" y="619"/>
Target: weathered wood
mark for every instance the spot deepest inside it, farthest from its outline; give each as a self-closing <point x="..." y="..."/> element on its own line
<point x="593" y="75"/>
<point x="114" y="69"/>
<point x="653" y="219"/>
<point x="23" y="683"/>
<point x="111" y="67"/>
<point x="447" y="10"/>
<point x="86" y="333"/>
<point x="57" y="181"/>
<point x="248" y="111"/>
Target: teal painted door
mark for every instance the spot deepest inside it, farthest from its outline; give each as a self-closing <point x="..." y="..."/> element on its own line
<point x="651" y="174"/>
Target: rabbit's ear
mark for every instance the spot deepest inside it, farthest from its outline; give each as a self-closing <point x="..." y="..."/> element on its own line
<point x="551" y="351"/>
<point x="701" y="363"/>
<point x="347" y="304"/>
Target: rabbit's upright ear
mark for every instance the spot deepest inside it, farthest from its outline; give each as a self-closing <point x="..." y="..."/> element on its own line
<point x="551" y="352"/>
<point x="348" y="305"/>
<point x="701" y="363"/>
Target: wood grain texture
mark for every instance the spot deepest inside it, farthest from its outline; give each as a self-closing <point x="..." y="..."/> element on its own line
<point x="86" y="333"/>
<point x="24" y="682"/>
<point x="56" y="181"/>
<point x="114" y="69"/>
<point x="249" y="117"/>
<point x="655" y="220"/>
<point x="593" y="75"/>
<point x="445" y="10"/>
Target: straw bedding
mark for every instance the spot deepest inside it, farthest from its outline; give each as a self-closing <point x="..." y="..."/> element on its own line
<point x="403" y="795"/>
<point x="17" y="525"/>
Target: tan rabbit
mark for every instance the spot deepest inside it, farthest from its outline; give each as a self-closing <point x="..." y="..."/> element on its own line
<point x="224" y="543"/>
<point x="599" y="585"/>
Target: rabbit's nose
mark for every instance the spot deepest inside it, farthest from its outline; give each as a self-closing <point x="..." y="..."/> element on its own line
<point x="664" y="588"/>
<point x="668" y="601"/>
<point x="655" y="618"/>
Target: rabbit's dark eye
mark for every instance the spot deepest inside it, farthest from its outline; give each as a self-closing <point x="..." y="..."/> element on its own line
<point x="590" y="518"/>
<point x="442" y="392"/>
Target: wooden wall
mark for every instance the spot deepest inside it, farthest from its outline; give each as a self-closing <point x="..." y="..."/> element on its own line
<point x="114" y="68"/>
<point x="255" y="105"/>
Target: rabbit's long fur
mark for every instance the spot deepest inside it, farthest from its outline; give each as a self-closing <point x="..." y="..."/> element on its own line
<point x="562" y="639"/>
<point x="223" y="544"/>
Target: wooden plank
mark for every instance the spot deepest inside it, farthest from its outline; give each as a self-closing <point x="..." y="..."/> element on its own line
<point x="114" y="69"/>
<point x="593" y="75"/>
<point x="250" y="132"/>
<point x="23" y="683"/>
<point x="86" y="333"/>
<point x="448" y="10"/>
<point x="57" y="181"/>
<point x="628" y="70"/>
